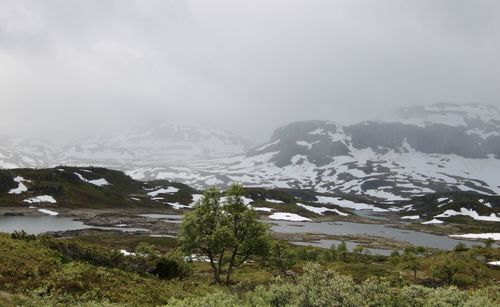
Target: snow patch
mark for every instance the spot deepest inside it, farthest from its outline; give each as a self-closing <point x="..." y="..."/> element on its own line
<point x="469" y="212"/>
<point x="49" y="212"/>
<point x="490" y="235"/>
<point x="274" y="201"/>
<point x="283" y="216"/>
<point x="168" y="190"/>
<point x="433" y="221"/>
<point x="321" y="210"/>
<point x="306" y="144"/>
<point x="41" y="199"/>
<point x="20" y="186"/>
<point x="348" y="204"/>
<point x="178" y="206"/>
<point x="97" y="182"/>
<point x="267" y="145"/>
<point x="410" y="217"/>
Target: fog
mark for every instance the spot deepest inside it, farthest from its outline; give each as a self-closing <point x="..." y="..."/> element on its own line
<point x="74" y="68"/>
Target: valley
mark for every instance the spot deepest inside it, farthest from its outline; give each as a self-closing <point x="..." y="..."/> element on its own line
<point x="72" y="201"/>
<point x="369" y="200"/>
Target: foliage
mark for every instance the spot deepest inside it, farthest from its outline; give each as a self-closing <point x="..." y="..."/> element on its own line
<point x="227" y="234"/>
<point x="317" y="287"/>
<point x="281" y="257"/>
<point x="411" y="262"/>
<point x="32" y="273"/>
<point x="445" y="268"/>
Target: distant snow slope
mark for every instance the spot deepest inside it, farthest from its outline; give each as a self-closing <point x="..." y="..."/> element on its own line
<point x="435" y="148"/>
<point x="153" y="145"/>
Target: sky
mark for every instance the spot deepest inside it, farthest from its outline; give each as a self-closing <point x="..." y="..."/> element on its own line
<point x="73" y="68"/>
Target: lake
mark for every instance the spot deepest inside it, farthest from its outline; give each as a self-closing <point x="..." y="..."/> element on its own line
<point x="346" y="228"/>
<point x="41" y="224"/>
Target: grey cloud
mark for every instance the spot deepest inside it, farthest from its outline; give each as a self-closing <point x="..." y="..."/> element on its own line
<point x="247" y="66"/>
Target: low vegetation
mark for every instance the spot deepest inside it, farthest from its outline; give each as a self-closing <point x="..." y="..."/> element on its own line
<point x="225" y="257"/>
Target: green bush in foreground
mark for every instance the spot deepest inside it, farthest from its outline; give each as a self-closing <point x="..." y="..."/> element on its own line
<point x="317" y="287"/>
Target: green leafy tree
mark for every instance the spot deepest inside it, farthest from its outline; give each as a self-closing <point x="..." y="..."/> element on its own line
<point x="281" y="257"/>
<point x="227" y="234"/>
<point x="395" y="258"/>
<point x="411" y="262"/>
<point x="330" y="254"/>
<point x="444" y="269"/>
<point x="342" y="251"/>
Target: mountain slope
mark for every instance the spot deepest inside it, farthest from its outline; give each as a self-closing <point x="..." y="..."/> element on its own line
<point x="436" y="148"/>
<point x="421" y="150"/>
<point x="159" y="144"/>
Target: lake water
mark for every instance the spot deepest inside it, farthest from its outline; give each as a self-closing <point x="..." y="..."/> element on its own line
<point x="347" y="228"/>
<point x="326" y="243"/>
<point x="171" y="218"/>
<point x="41" y="224"/>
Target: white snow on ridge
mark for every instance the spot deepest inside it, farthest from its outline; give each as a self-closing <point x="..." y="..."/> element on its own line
<point x="482" y="134"/>
<point x="497" y="263"/>
<point x="168" y="190"/>
<point x="379" y="193"/>
<point x="267" y="145"/>
<point x="433" y="221"/>
<point x="469" y="212"/>
<point x="348" y="204"/>
<point x="41" y="199"/>
<point x="481" y="201"/>
<point x="49" y="212"/>
<point x="317" y="131"/>
<point x="449" y="119"/>
<point x="274" y="201"/>
<point x="283" y="216"/>
<point x="20" y="187"/>
<point x="410" y="217"/>
<point x="321" y="210"/>
<point x="178" y="206"/>
<point x="306" y="144"/>
<point x="97" y="182"/>
<point x="492" y="235"/>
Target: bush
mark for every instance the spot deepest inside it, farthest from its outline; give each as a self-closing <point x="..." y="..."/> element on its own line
<point x="172" y="265"/>
<point x="24" y="265"/>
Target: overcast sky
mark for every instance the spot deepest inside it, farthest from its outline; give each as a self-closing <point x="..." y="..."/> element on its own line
<point x="77" y="67"/>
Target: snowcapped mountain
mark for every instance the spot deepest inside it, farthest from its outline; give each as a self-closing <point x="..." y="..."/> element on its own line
<point x="153" y="145"/>
<point x="435" y="148"/>
<point x="16" y="153"/>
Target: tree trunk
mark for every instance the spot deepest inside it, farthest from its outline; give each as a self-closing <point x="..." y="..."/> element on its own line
<point x="231" y="264"/>
<point x="215" y="270"/>
<point x="219" y="267"/>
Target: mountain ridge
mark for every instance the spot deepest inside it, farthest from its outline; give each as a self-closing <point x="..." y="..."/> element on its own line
<point x="428" y="149"/>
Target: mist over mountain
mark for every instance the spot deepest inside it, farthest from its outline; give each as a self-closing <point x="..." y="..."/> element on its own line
<point x="424" y="149"/>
